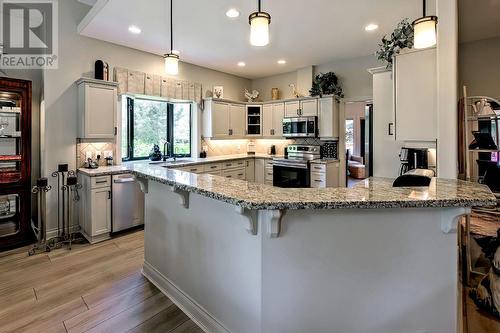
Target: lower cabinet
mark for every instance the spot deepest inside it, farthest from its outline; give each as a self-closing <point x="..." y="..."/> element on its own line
<point x="95" y="208"/>
<point x="250" y="170"/>
<point x="325" y="175"/>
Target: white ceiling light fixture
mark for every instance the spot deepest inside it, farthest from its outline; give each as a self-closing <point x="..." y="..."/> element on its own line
<point x="172" y="58"/>
<point x="371" y="27"/>
<point x="232" y="13"/>
<point x="241" y="64"/>
<point x="425" y="31"/>
<point x="259" y="27"/>
<point x="134" y="29"/>
<point x="281" y="62"/>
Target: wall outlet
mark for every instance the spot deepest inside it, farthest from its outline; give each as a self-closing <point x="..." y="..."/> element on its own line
<point x="88" y="154"/>
<point x="98" y="152"/>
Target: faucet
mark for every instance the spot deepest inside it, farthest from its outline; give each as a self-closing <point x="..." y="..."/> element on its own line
<point x="167" y="144"/>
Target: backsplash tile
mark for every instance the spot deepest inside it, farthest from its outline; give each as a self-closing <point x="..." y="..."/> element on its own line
<point x="83" y="147"/>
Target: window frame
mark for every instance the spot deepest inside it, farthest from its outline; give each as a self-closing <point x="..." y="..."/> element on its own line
<point x="169" y="130"/>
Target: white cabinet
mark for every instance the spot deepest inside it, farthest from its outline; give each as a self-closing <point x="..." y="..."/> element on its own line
<point x="415" y="97"/>
<point x="273" y="120"/>
<point x="97" y="108"/>
<point x="250" y="170"/>
<point x="260" y="170"/>
<point x="223" y="120"/>
<point x="302" y="108"/>
<point x="328" y="118"/>
<point x="325" y="175"/>
<point x="309" y="108"/>
<point x="95" y="207"/>
<point x="292" y="109"/>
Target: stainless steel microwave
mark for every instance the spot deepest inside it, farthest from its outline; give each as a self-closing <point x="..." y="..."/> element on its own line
<point x="303" y="127"/>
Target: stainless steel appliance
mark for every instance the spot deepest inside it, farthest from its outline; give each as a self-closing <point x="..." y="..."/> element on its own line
<point x="127" y="203"/>
<point x="294" y="171"/>
<point x="303" y="127"/>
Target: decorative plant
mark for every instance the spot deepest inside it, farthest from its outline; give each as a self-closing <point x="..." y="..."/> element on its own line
<point x="326" y="84"/>
<point x="401" y="37"/>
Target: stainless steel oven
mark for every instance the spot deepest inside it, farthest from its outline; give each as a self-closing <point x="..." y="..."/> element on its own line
<point x="303" y="127"/>
<point x="294" y="171"/>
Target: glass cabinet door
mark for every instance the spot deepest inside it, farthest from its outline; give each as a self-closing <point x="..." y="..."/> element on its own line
<point x="10" y="137"/>
<point x="10" y="215"/>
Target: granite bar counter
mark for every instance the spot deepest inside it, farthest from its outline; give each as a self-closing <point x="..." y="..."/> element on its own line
<point x="243" y="257"/>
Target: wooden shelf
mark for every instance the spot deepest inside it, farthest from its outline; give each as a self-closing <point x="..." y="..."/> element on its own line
<point x="484" y="150"/>
<point x="9" y="158"/>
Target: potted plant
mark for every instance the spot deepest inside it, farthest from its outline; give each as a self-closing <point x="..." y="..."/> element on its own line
<point x="401" y="37"/>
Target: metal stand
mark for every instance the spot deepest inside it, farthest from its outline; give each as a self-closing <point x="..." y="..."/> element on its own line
<point x="41" y="245"/>
<point x="67" y="194"/>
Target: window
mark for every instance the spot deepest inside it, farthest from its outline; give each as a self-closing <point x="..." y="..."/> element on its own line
<point x="149" y="122"/>
<point x="349" y="135"/>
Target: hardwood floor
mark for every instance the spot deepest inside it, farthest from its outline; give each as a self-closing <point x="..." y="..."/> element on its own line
<point x="100" y="288"/>
<point x="92" y="288"/>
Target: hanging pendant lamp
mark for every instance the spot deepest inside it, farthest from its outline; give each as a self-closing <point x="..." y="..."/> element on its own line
<point x="171" y="59"/>
<point x="259" y="27"/>
<point x="425" y="31"/>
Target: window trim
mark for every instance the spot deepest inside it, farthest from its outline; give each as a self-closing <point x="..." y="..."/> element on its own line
<point x="169" y="130"/>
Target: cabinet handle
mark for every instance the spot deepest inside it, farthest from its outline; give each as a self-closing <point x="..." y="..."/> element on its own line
<point x="101" y="181"/>
<point x="193" y="170"/>
<point x="391" y="129"/>
<point x="116" y="130"/>
<point x="240" y="174"/>
<point x="109" y="195"/>
<point x="213" y="167"/>
<point x="318" y="181"/>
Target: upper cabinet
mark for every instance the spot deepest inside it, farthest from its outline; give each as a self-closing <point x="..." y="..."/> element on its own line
<point x="415" y="95"/>
<point x="302" y="108"/>
<point x="97" y="108"/>
<point x="254" y="120"/>
<point x="273" y="120"/>
<point x="223" y="120"/>
<point x="328" y="118"/>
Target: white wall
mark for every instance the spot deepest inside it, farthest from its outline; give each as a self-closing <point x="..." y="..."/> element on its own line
<point x="479" y="67"/>
<point x="280" y="81"/>
<point x="76" y="59"/>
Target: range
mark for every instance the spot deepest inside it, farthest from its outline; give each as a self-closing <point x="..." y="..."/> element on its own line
<point x="294" y="170"/>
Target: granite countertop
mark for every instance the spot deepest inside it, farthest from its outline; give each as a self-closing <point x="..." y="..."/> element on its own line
<point x="181" y="162"/>
<point x="371" y="193"/>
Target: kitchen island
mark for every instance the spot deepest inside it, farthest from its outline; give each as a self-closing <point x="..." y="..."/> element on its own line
<point x="244" y="257"/>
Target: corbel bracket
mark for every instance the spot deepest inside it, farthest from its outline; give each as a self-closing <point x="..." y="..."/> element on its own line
<point x="250" y="217"/>
<point x="143" y="183"/>
<point x="183" y="196"/>
<point x="449" y="219"/>
<point x="274" y="219"/>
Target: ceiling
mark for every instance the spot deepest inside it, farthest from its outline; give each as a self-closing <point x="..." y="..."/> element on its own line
<point x="303" y="33"/>
<point x="478" y="19"/>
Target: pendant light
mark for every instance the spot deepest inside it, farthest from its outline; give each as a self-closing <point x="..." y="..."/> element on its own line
<point x="259" y="27"/>
<point x="425" y="31"/>
<point x="171" y="59"/>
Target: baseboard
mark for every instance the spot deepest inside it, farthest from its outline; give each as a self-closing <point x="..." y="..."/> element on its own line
<point x="196" y="312"/>
<point x="53" y="232"/>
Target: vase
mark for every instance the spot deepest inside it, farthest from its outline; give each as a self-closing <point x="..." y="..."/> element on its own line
<point x="275" y="94"/>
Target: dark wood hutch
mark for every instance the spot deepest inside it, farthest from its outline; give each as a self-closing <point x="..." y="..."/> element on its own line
<point x="15" y="163"/>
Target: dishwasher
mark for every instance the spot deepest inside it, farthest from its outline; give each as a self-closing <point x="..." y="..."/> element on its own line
<point x="127" y="203"/>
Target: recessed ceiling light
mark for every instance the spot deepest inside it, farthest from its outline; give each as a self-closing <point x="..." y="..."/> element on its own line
<point x="241" y="64"/>
<point x="281" y="62"/>
<point x="371" y="27"/>
<point x="232" y="13"/>
<point x="134" y="29"/>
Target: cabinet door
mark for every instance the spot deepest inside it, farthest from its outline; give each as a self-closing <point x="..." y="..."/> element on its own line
<point x="267" y="120"/>
<point x="260" y="171"/>
<point x="292" y="109"/>
<point x="237" y="122"/>
<point x="309" y="108"/>
<point x="278" y="115"/>
<point x="220" y="120"/>
<point x="415" y="96"/>
<point x="100" y="211"/>
<point x="250" y="170"/>
<point x="100" y="109"/>
<point x="328" y="118"/>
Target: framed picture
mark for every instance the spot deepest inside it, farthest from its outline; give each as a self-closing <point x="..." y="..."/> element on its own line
<point x="218" y="92"/>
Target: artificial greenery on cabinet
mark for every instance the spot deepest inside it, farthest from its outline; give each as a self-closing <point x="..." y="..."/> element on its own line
<point x="326" y="84"/>
<point x="401" y="37"/>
